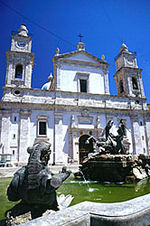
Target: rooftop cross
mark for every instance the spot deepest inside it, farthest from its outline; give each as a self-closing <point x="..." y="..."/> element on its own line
<point x="123" y="40"/>
<point x="80" y="36"/>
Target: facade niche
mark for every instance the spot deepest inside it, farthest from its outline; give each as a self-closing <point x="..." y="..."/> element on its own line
<point x="19" y="71"/>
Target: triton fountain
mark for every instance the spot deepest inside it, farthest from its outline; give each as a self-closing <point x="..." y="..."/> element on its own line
<point x="109" y="159"/>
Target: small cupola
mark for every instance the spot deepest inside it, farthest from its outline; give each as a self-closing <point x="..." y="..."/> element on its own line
<point x="124" y="48"/>
<point x="23" y="31"/>
<point x="81" y="46"/>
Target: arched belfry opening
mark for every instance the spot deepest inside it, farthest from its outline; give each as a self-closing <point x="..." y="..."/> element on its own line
<point x="84" y="148"/>
<point x="18" y="71"/>
<point x="134" y="83"/>
<point x="121" y="86"/>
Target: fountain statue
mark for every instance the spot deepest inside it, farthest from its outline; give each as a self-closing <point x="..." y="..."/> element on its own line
<point x="109" y="143"/>
<point x="35" y="185"/>
<point x="109" y="159"/>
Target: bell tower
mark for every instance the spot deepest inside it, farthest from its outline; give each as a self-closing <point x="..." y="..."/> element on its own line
<point x="128" y="76"/>
<point x="19" y="60"/>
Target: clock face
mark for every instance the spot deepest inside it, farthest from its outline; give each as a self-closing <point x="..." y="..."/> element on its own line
<point x="21" y="44"/>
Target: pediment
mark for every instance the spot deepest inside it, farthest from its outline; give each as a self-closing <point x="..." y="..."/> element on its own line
<point x="79" y="56"/>
<point x="82" y="57"/>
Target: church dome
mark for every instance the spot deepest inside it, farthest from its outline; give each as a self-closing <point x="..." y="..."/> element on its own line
<point x="46" y="86"/>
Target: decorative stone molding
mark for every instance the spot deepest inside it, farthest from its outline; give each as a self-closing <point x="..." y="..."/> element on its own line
<point x="25" y="112"/>
<point x="43" y="117"/>
<point x="85" y="112"/>
<point x="41" y="139"/>
<point x="85" y="120"/>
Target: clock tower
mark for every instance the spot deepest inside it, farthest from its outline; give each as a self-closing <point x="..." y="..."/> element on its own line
<point x="19" y="60"/>
<point x="128" y="76"/>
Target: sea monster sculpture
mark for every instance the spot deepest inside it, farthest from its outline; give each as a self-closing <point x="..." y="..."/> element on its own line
<point x="109" y="143"/>
<point x="34" y="184"/>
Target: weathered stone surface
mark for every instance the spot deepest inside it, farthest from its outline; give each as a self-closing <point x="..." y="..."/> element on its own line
<point x="115" y="168"/>
<point x="134" y="212"/>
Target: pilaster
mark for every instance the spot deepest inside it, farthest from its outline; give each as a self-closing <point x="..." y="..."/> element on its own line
<point x="5" y="131"/>
<point x="58" y="136"/>
<point x="106" y="82"/>
<point x="136" y="137"/>
<point x="24" y="135"/>
<point x="147" y="133"/>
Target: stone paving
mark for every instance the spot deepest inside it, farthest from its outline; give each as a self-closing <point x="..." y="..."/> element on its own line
<point x="9" y="171"/>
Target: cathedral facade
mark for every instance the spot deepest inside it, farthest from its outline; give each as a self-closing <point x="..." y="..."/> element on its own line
<point x="73" y="104"/>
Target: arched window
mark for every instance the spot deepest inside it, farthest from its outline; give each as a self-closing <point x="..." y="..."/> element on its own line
<point x="18" y="71"/>
<point x="121" y="86"/>
<point x="134" y="83"/>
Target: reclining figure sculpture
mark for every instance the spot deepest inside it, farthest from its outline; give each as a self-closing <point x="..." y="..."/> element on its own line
<point x="34" y="184"/>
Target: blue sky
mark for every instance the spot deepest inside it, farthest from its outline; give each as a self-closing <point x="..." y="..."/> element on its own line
<point x="57" y="23"/>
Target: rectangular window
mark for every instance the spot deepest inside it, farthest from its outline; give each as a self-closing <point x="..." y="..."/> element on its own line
<point x="42" y="128"/>
<point x="83" y="85"/>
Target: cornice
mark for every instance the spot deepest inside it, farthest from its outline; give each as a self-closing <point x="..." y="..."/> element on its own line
<point x="78" y="94"/>
<point x="9" y="52"/>
<point x="124" y="53"/>
<point x="20" y="36"/>
<point x="127" y="68"/>
<point x="84" y="63"/>
<point x="52" y="107"/>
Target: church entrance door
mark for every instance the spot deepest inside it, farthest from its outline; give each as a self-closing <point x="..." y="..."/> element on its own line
<point x="84" y="148"/>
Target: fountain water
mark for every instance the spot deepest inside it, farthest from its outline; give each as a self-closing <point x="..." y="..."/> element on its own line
<point x="87" y="182"/>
